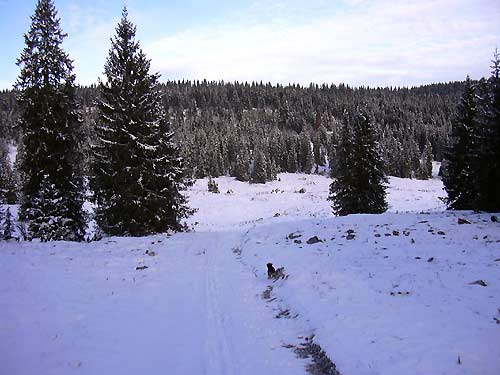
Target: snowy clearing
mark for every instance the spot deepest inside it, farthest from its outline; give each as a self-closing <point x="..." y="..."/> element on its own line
<point x="382" y="294"/>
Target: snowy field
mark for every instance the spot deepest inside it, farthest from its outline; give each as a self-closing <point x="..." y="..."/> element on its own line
<point x="383" y="294"/>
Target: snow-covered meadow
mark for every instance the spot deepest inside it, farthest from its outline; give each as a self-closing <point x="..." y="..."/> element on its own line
<point x="382" y="294"/>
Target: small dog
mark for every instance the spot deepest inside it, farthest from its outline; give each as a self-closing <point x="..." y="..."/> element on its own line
<point x="273" y="273"/>
<point x="270" y="271"/>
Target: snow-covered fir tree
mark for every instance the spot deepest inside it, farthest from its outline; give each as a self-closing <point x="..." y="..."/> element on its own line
<point x="242" y="166"/>
<point x="306" y="156"/>
<point x="137" y="174"/>
<point x="488" y="140"/>
<point x="7" y="181"/>
<point x="260" y="167"/>
<point x="52" y="182"/>
<point x="426" y="159"/>
<point x="8" y="226"/>
<point x="360" y="184"/>
<point x="459" y="167"/>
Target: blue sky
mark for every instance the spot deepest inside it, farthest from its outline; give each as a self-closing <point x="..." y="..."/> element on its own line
<point x="358" y="42"/>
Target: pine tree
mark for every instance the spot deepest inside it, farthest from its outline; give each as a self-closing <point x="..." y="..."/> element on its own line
<point x="425" y="165"/>
<point x="7" y="184"/>
<point x="306" y="157"/>
<point x="242" y="166"/>
<point x="360" y="185"/>
<point x="137" y="172"/>
<point x="488" y="141"/>
<point x="260" y="167"/>
<point x="53" y="189"/>
<point x="8" y="226"/>
<point x="459" y="174"/>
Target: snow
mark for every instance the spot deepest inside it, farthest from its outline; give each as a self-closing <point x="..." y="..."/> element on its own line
<point x="376" y="304"/>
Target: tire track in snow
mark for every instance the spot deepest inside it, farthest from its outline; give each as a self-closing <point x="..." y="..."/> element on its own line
<point x="220" y="359"/>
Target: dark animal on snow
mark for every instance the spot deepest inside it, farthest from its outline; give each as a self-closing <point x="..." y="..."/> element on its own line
<point x="270" y="271"/>
<point x="275" y="273"/>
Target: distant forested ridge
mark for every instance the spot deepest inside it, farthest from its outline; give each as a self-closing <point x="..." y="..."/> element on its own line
<point x="253" y="130"/>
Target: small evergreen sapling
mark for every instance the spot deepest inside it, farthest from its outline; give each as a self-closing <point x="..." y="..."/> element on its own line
<point x="213" y="187"/>
<point x="8" y="226"/>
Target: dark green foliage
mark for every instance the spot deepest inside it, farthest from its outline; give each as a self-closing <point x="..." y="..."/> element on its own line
<point x="7" y="181"/>
<point x="471" y="171"/>
<point x="260" y="167"/>
<point x="306" y="156"/>
<point x="360" y="184"/>
<point x="425" y="170"/>
<point x="137" y="173"/>
<point x="52" y="182"/>
<point x="488" y="140"/>
<point x="242" y="167"/>
<point x="212" y="186"/>
<point x="459" y="172"/>
<point x="8" y="226"/>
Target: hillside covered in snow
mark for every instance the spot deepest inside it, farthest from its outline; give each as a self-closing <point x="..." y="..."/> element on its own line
<point x="412" y="291"/>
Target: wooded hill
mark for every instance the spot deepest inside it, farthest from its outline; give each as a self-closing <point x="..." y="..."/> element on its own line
<point x="243" y="129"/>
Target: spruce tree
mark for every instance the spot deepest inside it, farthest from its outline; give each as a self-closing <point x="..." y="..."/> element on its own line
<point x="360" y="185"/>
<point x="52" y="182"/>
<point x="425" y="163"/>
<point x="459" y="172"/>
<point x="137" y="172"/>
<point x="242" y="166"/>
<point x="488" y="141"/>
<point x="7" y="184"/>
<point x="8" y="226"/>
<point x="306" y="157"/>
<point x="260" y="167"/>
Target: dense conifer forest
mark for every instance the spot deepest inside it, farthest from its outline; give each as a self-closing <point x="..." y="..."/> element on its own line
<point x="251" y="130"/>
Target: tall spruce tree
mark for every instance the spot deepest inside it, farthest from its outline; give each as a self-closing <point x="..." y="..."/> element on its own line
<point x="360" y="184"/>
<point x="488" y="140"/>
<point x="459" y="172"/>
<point x="137" y="172"/>
<point x="52" y="187"/>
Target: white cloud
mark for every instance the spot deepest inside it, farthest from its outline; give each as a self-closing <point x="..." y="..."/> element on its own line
<point x="365" y="42"/>
<point x="89" y="31"/>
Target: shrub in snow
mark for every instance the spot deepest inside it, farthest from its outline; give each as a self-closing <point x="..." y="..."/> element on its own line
<point x="213" y="187"/>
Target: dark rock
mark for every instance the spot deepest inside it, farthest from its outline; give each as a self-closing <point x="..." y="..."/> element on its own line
<point x="277" y="214"/>
<point x="350" y="236"/>
<point x="138" y="268"/>
<point x="463" y="221"/>
<point x="418" y="258"/>
<point x="479" y="282"/>
<point x="350" y="231"/>
<point x="395" y="233"/>
<point x="297" y="241"/>
<point x="377" y="234"/>
<point x="494" y="219"/>
<point x="441" y="233"/>
<point x="294" y="235"/>
<point x="387" y="234"/>
<point x="313" y="240"/>
<point x="430" y="259"/>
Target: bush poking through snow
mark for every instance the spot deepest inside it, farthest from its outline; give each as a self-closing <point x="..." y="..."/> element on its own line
<point x="321" y="364"/>
<point x="213" y="187"/>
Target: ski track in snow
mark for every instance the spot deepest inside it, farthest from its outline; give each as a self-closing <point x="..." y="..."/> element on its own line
<point x="199" y="308"/>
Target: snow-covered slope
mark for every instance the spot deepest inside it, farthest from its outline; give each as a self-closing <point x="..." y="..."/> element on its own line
<point x="382" y="294"/>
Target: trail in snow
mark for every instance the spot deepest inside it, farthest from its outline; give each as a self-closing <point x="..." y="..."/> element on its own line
<point x="201" y="306"/>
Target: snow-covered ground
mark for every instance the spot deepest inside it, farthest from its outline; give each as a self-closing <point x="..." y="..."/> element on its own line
<point x="394" y="298"/>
